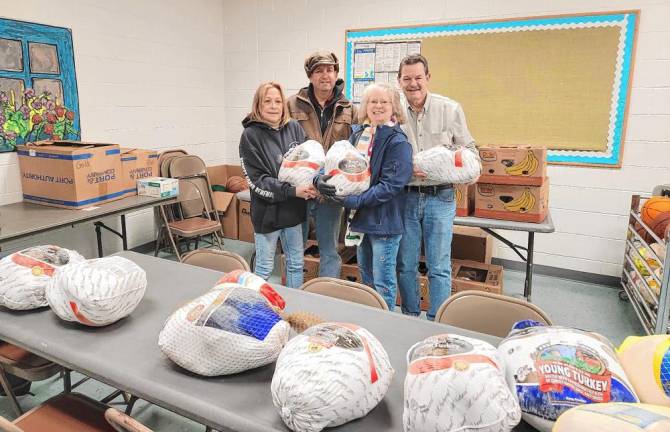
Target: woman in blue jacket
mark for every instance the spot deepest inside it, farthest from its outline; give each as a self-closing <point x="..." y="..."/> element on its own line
<point x="380" y="209"/>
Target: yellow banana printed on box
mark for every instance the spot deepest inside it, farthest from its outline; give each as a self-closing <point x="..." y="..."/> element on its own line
<point x="522" y="204"/>
<point x="526" y="167"/>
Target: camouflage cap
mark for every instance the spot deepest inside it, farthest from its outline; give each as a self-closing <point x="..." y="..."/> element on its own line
<point x="320" y="58"/>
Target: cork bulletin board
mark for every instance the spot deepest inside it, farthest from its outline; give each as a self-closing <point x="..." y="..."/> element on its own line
<point x="560" y="82"/>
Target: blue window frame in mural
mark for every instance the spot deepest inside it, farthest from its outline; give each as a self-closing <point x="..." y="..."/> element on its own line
<point x="38" y="84"/>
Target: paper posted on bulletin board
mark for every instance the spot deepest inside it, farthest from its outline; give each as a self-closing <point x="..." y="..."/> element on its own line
<point x="378" y="62"/>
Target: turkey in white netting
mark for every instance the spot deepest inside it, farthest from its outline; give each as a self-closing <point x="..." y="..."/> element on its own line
<point x="24" y="275"/>
<point x="302" y="163"/>
<point x="455" y="383"/>
<point x="448" y="166"/>
<point x="228" y="330"/>
<point x="97" y="292"/>
<point x="330" y="374"/>
<point x="348" y="168"/>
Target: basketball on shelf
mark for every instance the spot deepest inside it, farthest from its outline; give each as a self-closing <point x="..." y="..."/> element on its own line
<point x="236" y="184"/>
<point x="653" y="207"/>
<point x="660" y="224"/>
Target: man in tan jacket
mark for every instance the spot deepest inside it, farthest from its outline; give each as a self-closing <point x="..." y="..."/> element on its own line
<point x="326" y="116"/>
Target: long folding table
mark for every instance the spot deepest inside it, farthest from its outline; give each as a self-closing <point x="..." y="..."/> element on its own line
<point x="24" y="219"/>
<point x="126" y="356"/>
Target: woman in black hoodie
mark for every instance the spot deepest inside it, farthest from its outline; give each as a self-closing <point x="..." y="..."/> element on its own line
<point x="277" y="208"/>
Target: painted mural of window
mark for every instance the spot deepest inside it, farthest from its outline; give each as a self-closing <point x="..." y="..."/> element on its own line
<point x="38" y="85"/>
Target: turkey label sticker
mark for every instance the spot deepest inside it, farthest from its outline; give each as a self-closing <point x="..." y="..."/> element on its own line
<point x="575" y="367"/>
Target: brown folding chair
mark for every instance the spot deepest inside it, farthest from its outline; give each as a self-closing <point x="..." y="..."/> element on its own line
<point x="165" y="158"/>
<point x="73" y="412"/>
<point x="487" y="313"/>
<point x="223" y="261"/>
<point x="28" y="366"/>
<point x="192" y="219"/>
<point x="345" y="290"/>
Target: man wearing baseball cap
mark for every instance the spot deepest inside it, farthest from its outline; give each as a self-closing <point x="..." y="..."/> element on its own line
<point x="326" y="116"/>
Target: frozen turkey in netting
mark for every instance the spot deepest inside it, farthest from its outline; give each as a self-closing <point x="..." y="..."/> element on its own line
<point x="551" y="369"/>
<point x="330" y="374"/>
<point x="457" y="383"/>
<point x="448" y="166"/>
<point x="646" y="361"/>
<point x="97" y="292"/>
<point x="254" y="282"/>
<point x="302" y="163"/>
<point x="228" y="330"/>
<point x="614" y="417"/>
<point x="24" y="275"/>
<point x="348" y="168"/>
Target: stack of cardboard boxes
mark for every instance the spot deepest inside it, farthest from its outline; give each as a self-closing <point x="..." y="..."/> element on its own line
<point x="513" y="185"/>
<point x="75" y="174"/>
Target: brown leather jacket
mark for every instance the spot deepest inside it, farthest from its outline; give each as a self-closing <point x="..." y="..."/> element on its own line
<point x="344" y="115"/>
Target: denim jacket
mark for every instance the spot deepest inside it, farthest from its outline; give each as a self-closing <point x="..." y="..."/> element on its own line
<point x="380" y="209"/>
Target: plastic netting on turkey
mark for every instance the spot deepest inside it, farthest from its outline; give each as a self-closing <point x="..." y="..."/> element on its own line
<point x="228" y="330"/>
<point x="448" y="166"/>
<point x="97" y="292"/>
<point x="302" y="163"/>
<point x="350" y="170"/>
<point x="256" y="283"/>
<point x="24" y="275"/>
<point x="551" y="369"/>
<point x="646" y="361"/>
<point x="456" y="383"/>
<point x="330" y="374"/>
<point x="614" y="417"/>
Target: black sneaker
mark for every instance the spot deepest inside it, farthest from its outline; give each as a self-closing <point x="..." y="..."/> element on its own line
<point x="19" y="386"/>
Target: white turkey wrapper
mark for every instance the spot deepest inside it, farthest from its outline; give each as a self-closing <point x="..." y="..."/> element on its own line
<point x="448" y="166"/>
<point x="97" y="292"/>
<point x="456" y="383"/>
<point x="328" y="375"/>
<point x="228" y="330"/>
<point x="302" y="163"/>
<point x="350" y="170"/>
<point x="24" y="275"/>
<point x="553" y="368"/>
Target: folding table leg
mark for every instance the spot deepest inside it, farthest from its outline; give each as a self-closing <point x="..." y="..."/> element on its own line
<point x="4" y="381"/>
<point x="528" y="287"/>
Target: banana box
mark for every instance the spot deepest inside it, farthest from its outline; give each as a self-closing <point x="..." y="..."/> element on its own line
<point x="465" y="199"/>
<point x="512" y="202"/>
<point x="513" y="165"/>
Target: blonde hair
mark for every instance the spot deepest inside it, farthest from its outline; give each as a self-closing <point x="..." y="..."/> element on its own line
<point x="393" y="94"/>
<point x="261" y="91"/>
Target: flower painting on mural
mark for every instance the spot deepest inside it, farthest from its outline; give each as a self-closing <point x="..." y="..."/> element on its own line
<point x="37" y="117"/>
<point x="38" y="84"/>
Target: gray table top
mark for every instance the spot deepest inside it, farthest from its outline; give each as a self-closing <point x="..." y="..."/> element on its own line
<point x="23" y="219"/>
<point x="546" y="226"/>
<point x="126" y="354"/>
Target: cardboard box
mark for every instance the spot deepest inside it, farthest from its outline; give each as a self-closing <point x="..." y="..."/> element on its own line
<point x="465" y="199"/>
<point x="513" y="165"/>
<point x="226" y="203"/>
<point x="511" y="202"/>
<point x="137" y="164"/>
<point x="424" y="289"/>
<point x="245" y="228"/>
<point x="471" y="275"/>
<point x="471" y="243"/>
<point x="70" y="174"/>
<point x="158" y="187"/>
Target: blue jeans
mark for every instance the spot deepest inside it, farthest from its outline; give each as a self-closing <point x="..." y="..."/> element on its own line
<point x="430" y="217"/>
<point x="291" y="243"/>
<point x="327" y="218"/>
<point x="377" y="261"/>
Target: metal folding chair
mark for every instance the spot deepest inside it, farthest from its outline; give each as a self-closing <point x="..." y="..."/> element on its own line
<point x="345" y="290"/>
<point x="223" y="261"/>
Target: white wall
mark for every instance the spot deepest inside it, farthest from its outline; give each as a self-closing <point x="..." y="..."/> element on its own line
<point x="266" y="39"/>
<point x="150" y="75"/>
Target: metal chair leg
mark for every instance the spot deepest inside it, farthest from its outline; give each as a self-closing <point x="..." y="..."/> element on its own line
<point x="130" y="403"/>
<point x="67" y="381"/>
<point x="159" y="238"/>
<point x="4" y="381"/>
